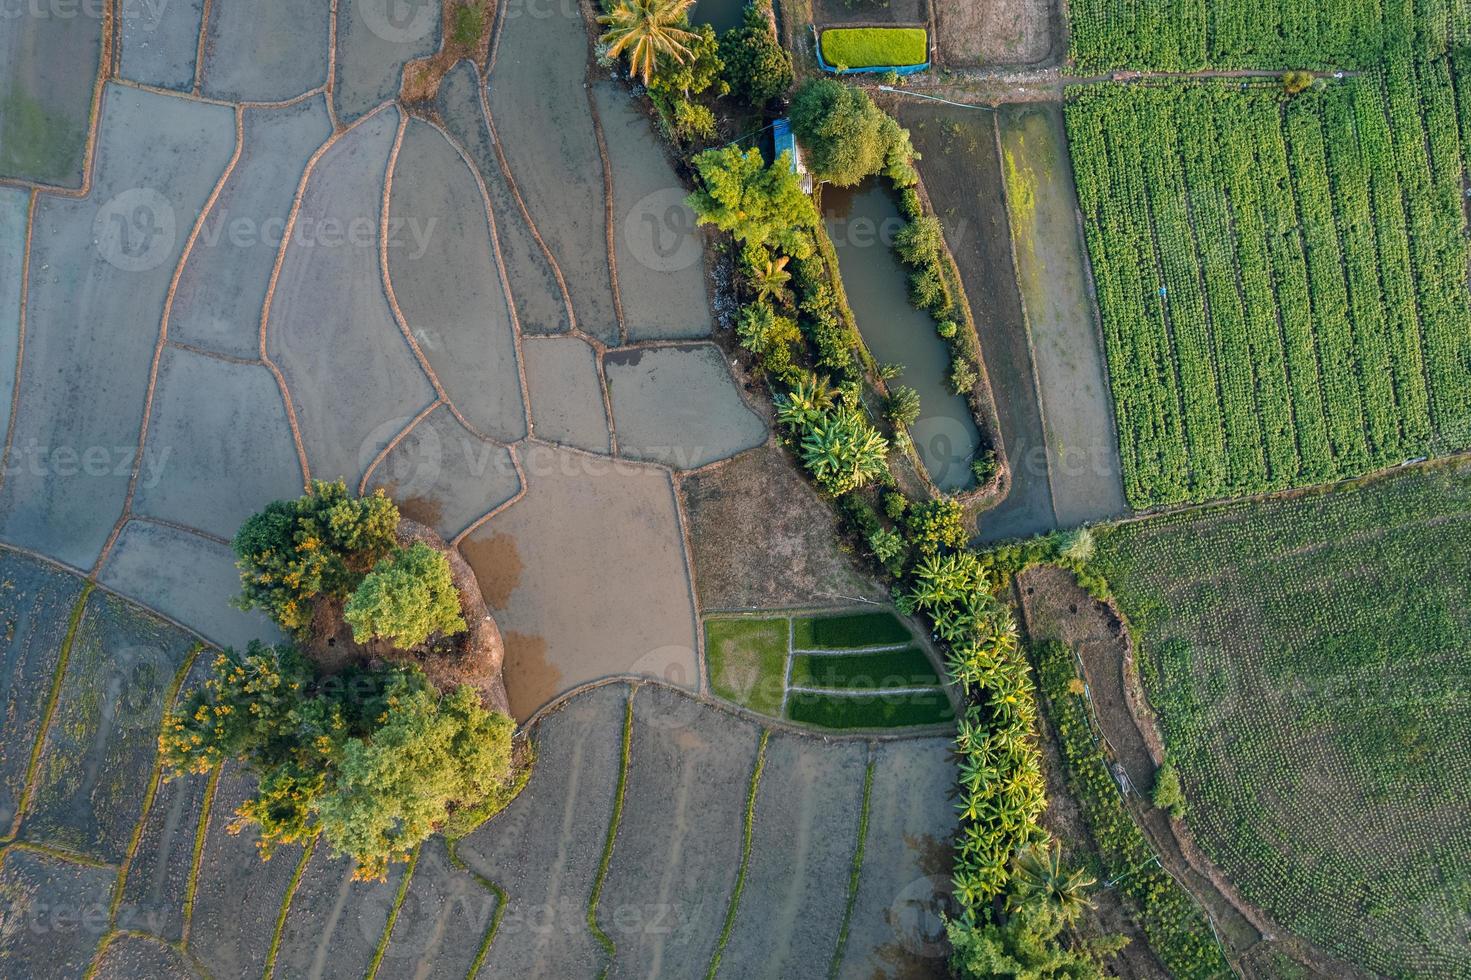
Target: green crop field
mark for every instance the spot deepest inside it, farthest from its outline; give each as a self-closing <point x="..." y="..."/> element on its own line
<point x="1310" y="665"/>
<point x="1282" y="282"/>
<point x="871" y="47"/>
<point x="1188" y="35"/>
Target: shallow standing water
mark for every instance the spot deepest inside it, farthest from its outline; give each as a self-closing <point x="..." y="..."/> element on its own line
<point x="719" y="14"/>
<point x="862" y="224"/>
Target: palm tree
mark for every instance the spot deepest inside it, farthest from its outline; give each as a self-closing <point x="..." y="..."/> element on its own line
<point x="1041" y="879"/>
<point x="646" y="29"/>
<point x="770" y="280"/>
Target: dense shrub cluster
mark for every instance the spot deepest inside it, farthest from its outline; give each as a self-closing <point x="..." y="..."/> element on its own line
<point x="757" y="67"/>
<point x="847" y="137"/>
<point x="407" y="598"/>
<point x="374" y="760"/>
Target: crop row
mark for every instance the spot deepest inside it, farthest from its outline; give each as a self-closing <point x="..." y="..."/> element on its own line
<point x="1282" y="285"/>
<point x="1189" y="35"/>
<point x="1325" y="750"/>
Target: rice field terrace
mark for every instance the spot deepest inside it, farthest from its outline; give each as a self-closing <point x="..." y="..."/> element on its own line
<point x="1283" y="283"/>
<point x="1307" y="660"/>
<point x="861" y="670"/>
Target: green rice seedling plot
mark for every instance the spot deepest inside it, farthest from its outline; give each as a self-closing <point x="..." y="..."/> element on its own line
<point x="904" y="884"/>
<point x="219" y="444"/>
<point x="560" y="821"/>
<point x="445" y="476"/>
<point x="218" y="300"/>
<point x="160" y="43"/>
<point x="269" y="51"/>
<point x="747" y="661"/>
<point x="680" y="842"/>
<point x="534" y="290"/>
<point x="55" y="912"/>
<point x="607" y="532"/>
<point x="805" y="832"/>
<point x="335" y="924"/>
<point x="870" y="47"/>
<point x="37" y="604"/>
<point x="158" y="875"/>
<point x="48" y="68"/>
<point x="444" y="914"/>
<point x="679" y="406"/>
<point x="15" y="205"/>
<point x="1082" y="458"/>
<point x="354" y="381"/>
<point x="89" y="349"/>
<point x="566" y="393"/>
<point x="864" y="671"/>
<point x="540" y="107"/>
<point x="1306" y="659"/>
<point x="444" y="273"/>
<point x="1270" y="34"/>
<point x="849" y="631"/>
<point x="889" y="709"/>
<point x="130" y="957"/>
<point x="239" y="896"/>
<point x="103" y="734"/>
<point x="373" y="43"/>
<point x="189" y="578"/>
<point x="1282" y="288"/>
<point x="659" y="251"/>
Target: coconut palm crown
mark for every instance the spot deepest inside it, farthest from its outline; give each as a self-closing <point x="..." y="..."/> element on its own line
<point x="646" y="29"/>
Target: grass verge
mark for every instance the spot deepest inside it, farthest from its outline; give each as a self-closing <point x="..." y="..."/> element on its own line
<point x="398" y="901"/>
<point x="502" y="898"/>
<point x="191" y="889"/>
<point x="740" y="883"/>
<point x="597" y="886"/>
<point x="295" y="883"/>
<point x="854" y="874"/>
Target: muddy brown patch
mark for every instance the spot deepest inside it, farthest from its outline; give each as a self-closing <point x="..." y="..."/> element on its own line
<point x="497" y="564"/>
<point x="531" y="679"/>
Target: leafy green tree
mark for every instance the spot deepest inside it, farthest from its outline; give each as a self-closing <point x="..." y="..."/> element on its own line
<point x="918" y="243"/>
<point x="1039" y="878"/>
<point x="1026" y="945"/>
<point x="962" y="375"/>
<point x="847" y="137"/>
<point x="322" y="543"/>
<point x="843" y="452"/>
<point x="1168" y="794"/>
<point x="676" y="84"/>
<point x="756" y="65"/>
<point x="648" y="30"/>
<point x="760" y="205"/>
<point x="769" y="278"/>
<point x="769" y="335"/>
<point x="902" y="406"/>
<point x="937" y="524"/>
<point x="373" y="760"/>
<point x="407" y="598"/>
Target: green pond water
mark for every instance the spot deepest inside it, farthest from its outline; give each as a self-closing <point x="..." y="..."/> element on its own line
<point x="719" y="14"/>
<point x="862" y="223"/>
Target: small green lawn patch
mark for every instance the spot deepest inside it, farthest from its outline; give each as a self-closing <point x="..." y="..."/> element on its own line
<point x="874" y="47"/>
<point x="747" y="659"/>
<point x="870" y="710"/>
<point x="864" y="671"/>
<point x="845" y="632"/>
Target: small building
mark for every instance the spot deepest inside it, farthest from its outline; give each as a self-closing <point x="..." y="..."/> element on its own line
<point x="783" y="141"/>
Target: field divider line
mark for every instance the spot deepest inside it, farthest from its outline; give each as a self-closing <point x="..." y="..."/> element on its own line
<point x="786" y="684"/>
<point x="857" y="870"/>
<point x="502" y="899"/>
<point x="604" y="940"/>
<point x="398" y="901"/>
<point x="286" y="900"/>
<point x="859" y="692"/>
<point x="28" y="788"/>
<point x="201" y="830"/>
<point x="740" y="882"/>
<point x="829" y="652"/>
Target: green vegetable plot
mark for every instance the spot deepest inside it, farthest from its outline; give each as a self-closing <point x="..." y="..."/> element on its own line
<point x="874" y="47"/>
<point x="1283" y="284"/>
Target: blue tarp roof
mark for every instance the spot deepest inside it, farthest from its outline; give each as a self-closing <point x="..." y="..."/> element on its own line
<point x="783" y="140"/>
